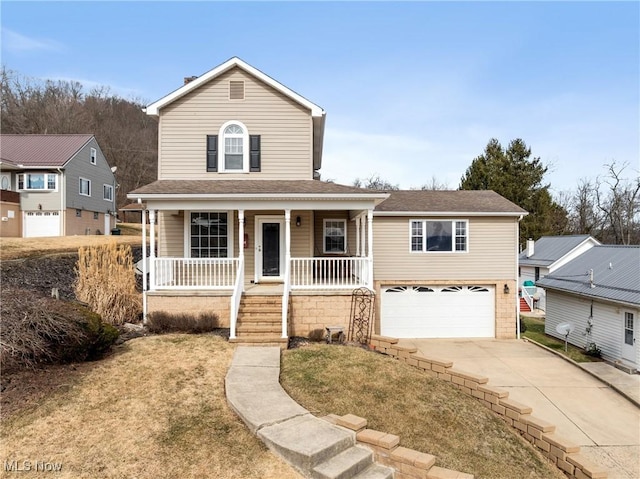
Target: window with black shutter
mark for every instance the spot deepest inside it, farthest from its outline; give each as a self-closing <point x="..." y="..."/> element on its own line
<point x="212" y="152"/>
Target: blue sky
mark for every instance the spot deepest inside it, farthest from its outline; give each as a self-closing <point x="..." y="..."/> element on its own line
<point x="413" y="90"/>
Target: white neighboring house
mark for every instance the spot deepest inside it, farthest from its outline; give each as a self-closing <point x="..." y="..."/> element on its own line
<point x="598" y="293"/>
<point x="546" y="255"/>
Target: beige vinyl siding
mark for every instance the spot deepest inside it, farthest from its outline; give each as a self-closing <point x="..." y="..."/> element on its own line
<point x="491" y="252"/>
<point x="171" y="234"/>
<point x="284" y="126"/>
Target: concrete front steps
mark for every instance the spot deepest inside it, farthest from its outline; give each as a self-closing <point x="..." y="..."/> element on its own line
<point x="260" y="321"/>
<point x="315" y="447"/>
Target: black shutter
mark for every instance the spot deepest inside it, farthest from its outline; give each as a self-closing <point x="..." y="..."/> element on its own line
<point x="212" y="152"/>
<point x="254" y="152"/>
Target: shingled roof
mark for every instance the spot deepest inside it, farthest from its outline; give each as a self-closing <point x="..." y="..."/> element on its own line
<point x="187" y="188"/>
<point x="448" y="201"/>
<point x="40" y="150"/>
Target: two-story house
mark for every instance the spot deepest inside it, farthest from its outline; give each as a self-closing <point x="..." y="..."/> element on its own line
<point x="246" y="230"/>
<point x="62" y="185"/>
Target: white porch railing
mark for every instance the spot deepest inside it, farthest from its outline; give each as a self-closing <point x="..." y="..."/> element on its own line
<point x="235" y="299"/>
<point x="527" y="294"/>
<point x="329" y="273"/>
<point x="195" y="273"/>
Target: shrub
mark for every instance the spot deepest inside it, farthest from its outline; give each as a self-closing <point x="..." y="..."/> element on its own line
<point x="593" y="350"/>
<point x="39" y="329"/>
<point x="106" y="281"/>
<point x="162" y="322"/>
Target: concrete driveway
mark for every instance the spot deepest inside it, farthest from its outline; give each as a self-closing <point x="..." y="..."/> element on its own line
<point x="586" y="411"/>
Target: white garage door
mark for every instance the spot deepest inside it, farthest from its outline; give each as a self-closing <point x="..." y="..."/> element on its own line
<point x="41" y="223"/>
<point x="438" y="311"/>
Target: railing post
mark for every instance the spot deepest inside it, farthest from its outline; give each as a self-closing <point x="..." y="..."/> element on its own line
<point x="287" y="272"/>
<point x="152" y="252"/>
<point x="370" y="248"/>
<point x="144" y="265"/>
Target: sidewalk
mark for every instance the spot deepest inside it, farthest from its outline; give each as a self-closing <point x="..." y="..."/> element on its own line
<point x="585" y="410"/>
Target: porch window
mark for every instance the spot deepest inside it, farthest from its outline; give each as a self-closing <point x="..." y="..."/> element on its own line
<point x="438" y="236"/>
<point x="209" y="234"/>
<point x="335" y="236"/>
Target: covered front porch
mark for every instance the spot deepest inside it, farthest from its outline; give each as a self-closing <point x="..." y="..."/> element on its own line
<point x="221" y="247"/>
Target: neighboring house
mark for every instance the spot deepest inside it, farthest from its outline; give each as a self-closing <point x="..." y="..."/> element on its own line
<point x="245" y="231"/>
<point x="598" y="293"/>
<point x="64" y="183"/>
<point x="543" y="257"/>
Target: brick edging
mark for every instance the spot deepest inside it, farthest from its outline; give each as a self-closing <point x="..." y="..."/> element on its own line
<point x="407" y="463"/>
<point x="541" y="434"/>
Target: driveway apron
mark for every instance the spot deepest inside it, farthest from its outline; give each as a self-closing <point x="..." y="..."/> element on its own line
<point x="585" y="410"/>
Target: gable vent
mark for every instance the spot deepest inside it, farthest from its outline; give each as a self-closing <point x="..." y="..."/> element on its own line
<point x="236" y="90"/>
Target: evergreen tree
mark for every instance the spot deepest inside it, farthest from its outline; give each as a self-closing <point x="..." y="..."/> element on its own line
<point x="512" y="173"/>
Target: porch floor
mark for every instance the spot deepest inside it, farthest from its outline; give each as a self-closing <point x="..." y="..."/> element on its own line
<point x="264" y="289"/>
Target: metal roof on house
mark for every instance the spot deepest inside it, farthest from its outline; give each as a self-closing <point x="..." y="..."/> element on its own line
<point x="549" y="249"/>
<point x="448" y="201"/>
<point x="616" y="275"/>
<point x="40" y="150"/>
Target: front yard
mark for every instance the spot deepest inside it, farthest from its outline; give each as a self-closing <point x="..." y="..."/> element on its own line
<point x="154" y="409"/>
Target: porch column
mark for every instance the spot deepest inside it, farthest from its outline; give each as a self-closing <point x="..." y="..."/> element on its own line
<point x="144" y="266"/>
<point x="357" y="236"/>
<point x="363" y="251"/>
<point x="240" y="233"/>
<point x="152" y="247"/>
<point x="287" y="272"/>
<point x="370" y="246"/>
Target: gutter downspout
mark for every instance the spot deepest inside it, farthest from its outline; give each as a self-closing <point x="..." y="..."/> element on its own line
<point x="517" y="284"/>
<point x="63" y="210"/>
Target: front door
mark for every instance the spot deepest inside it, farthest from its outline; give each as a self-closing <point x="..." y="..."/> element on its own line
<point x="269" y="248"/>
<point x="629" y="333"/>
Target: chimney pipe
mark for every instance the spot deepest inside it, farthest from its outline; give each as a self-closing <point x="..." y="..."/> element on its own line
<point x="530" y="247"/>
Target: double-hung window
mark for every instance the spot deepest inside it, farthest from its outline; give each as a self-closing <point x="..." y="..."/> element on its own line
<point x="84" y="187"/>
<point x="93" y="156"/>
<point x="107" y="192"/>
<point x="335" y="236"/>
<point x="38" y="181"/>
<point x="209" y="234"/>
<point x="439" y="236"/>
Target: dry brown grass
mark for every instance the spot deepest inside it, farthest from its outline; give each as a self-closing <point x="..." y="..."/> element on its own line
<point x="429" y="415"/>
<point x="157" y="409"/>
<point x="107" y="282"/>
<point x="12" y="248"/>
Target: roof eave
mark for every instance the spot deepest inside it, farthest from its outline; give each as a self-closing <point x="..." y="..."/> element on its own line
<point x="448" y="213"/>
<point x="586" y="295"/>
<point x="255" y="196"/>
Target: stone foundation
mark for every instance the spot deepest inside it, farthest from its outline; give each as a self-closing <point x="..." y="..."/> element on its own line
<point x="190" y="302"/>
<point x="309" y="313"/>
